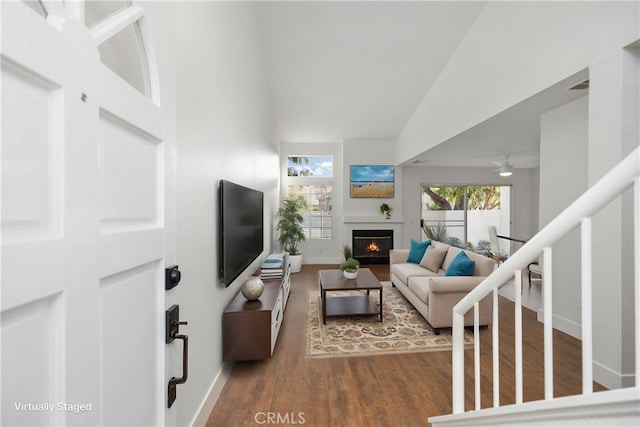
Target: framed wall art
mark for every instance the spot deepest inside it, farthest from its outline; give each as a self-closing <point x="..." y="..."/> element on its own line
<point x="372" y="181"/>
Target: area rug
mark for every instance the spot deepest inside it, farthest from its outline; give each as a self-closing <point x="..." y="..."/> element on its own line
<point x="403" y="329"/>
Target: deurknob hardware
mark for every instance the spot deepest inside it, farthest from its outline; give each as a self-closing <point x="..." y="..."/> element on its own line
<point x="172" y="277"/>
<point x="172" y="321"/>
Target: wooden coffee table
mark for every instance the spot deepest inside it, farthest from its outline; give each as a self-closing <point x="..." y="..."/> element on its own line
<point x="349" y="305"/>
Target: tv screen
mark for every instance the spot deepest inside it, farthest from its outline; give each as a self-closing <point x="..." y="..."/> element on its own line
<point x="241" y="229"/>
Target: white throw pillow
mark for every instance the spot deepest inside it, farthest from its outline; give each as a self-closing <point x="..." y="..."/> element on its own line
<point x="433" y="258"/>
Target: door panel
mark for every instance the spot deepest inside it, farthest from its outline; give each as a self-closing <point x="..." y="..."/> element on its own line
<point x="37" y="326"/>
<point x="31" y="184"/>
<point x="126" y="152"/>
<point x="129" y="361"/>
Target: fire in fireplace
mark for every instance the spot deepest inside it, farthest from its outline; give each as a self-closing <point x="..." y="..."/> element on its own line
<point x="372" y="246"/>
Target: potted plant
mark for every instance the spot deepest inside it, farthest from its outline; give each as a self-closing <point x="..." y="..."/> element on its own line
<point x="386" y="210"/>
<point x="349" y="268"/>
<point x="290" y="227"/>
<point x="347" y="252"/>
<point x="435" y="232"/>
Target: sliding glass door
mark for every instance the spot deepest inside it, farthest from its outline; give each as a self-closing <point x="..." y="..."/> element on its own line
<point x="461" y="215"/>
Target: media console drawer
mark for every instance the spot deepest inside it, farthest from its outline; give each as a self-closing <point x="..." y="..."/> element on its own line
<point x="276" y="320"/>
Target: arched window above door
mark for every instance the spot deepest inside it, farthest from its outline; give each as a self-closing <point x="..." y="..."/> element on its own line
<point x="118" y="28"/>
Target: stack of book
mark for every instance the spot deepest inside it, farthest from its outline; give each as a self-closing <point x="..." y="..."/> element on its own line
<point x="272" y="267"/>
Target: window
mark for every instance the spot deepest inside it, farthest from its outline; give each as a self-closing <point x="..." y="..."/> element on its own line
<point x="310" y="166"/>
<point x="318" y="220"/>
<point x="461" y="215"/>
<point x="311" y="177"/>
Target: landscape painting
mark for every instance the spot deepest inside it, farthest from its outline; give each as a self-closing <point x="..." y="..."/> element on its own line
<point x="372" y="181"/>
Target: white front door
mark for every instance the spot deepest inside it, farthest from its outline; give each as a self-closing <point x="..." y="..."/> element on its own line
<point x="82" y="219"/>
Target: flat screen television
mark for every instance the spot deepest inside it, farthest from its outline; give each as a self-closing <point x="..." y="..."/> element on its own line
<point x="241" y="229"/>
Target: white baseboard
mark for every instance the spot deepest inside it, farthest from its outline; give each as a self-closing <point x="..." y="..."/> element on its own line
<point x="562" y="324"/>
<point x="610" y="378"/>
<point x="601" y="373"/>
<point x="212" y="396"/>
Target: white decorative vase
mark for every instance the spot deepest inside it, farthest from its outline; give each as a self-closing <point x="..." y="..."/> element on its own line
<point x="295" y="261"/>
<point x="253" y="288"/>
<point x="350" y="275"/>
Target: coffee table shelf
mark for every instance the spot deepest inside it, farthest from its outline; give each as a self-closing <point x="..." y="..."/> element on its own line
<point x="349" y="305"/>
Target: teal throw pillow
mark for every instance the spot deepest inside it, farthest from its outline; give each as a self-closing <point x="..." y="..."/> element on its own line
<point x="461" y="265"/>
<point x="417" y="250"/>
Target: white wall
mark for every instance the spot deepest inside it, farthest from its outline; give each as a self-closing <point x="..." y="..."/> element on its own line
<point x="225" y="131"/>
<point x="524" y="197"/>
<point x="563" y="177"/>
<point x="364" y="214"/>
<point x="348" y="213"/>
<point x="613" y="133"/>
<point x="370" y="152"/>
<point x="513" y="51"/>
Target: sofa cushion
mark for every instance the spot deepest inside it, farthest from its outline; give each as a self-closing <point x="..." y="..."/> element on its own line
<point x="461" y="265"/>
<point x="433" y="258"/>
<point x="484" y="265"/>
<point x="420" y="287"/>
<point x="417" y="250"/>
<point x="405" y="270"/>
<point x="451" y="254"/>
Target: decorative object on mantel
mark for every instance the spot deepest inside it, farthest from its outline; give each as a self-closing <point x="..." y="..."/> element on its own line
<point x="372" y="181"/>
<point x="252" y="288"/>
<point x="403" y="330"/>
<point x="349" y="268"/>
<point x="386" y="210"/>
<point x="290" y="227"/>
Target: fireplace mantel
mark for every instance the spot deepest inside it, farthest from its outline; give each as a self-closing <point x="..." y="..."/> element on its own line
<point x="379" y="219"/>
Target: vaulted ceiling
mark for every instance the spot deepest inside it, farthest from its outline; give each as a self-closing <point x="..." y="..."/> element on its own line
<point x="341" y="71"/>
<point x="353" y="70"/>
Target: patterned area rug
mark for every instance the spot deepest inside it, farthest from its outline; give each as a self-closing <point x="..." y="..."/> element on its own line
<point x="403" y="330"/>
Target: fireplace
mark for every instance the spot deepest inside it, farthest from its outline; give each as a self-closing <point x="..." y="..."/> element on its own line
<point x="372" y="246"/>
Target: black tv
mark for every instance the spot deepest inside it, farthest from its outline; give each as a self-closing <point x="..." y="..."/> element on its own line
<point x="241" y="229"/>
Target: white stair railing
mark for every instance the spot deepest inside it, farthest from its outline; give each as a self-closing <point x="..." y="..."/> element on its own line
<point x="579" y="213"/>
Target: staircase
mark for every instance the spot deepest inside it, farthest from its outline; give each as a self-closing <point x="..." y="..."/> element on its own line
<point x="613" y="407"/>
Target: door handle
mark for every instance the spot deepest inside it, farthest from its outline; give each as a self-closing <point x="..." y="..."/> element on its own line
<point x="172" y="333"/>
<point x="173" y="382"/>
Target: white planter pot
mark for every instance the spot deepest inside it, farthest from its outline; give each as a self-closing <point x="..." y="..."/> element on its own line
<point x="350" y="275"/>
<point x="296" y="263"/>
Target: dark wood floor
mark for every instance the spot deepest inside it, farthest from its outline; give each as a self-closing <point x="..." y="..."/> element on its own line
<point x="401" y="389"/>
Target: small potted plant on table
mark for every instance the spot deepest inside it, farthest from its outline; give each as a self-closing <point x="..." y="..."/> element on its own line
<point x="349" y="268"/>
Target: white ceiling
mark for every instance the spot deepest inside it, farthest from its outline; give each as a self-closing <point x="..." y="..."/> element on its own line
<point x="513" y="134"/>
<point x="355" y="70"/>
<point x="358" y="70"/>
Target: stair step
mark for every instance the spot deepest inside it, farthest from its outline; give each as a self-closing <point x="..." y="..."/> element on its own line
<point x="612" y="407"/>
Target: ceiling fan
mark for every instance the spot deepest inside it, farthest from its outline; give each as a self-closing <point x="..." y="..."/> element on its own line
<point x="508" y="162"/>
<point x="504" y="167"/>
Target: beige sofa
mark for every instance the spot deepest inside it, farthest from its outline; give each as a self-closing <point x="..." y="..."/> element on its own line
<point x="433" y="294"/>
